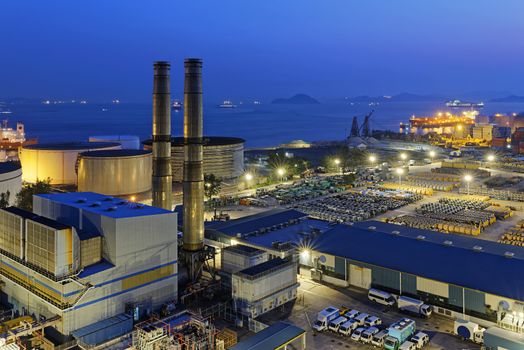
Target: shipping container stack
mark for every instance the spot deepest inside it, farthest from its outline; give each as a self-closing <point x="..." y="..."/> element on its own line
<point x="517" y="141"/>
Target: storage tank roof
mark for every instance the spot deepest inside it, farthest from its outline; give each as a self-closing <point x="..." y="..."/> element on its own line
<point x="116" y="153"/>
<point x="114" y="137"/>
<point x="72" y="146"/>
<point x="208" y="141"/>
<point x="7" y="167"/>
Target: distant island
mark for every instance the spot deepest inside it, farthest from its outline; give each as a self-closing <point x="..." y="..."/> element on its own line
<point x="511" y="98"/>
<point x="298" y="99"/>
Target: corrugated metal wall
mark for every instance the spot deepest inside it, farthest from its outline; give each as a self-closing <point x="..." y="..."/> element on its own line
<point x="409" y="284"/>
<point x="432" y="287"/>
<point x="475" y="300"/>
<point x="382" y="277"/>
<point x="455" y="296"/>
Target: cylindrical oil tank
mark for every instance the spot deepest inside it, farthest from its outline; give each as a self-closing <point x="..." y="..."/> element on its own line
<point x="127" y="141"/>
<point x="115" y="172"/>
<point x="223" y="156"/>
<point x="57" y="161"/>
<point x="10" y="179"/>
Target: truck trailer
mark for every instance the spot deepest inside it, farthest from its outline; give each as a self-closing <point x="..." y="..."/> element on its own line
<point x="324" y="317"/>
<point x="414" y="306"/>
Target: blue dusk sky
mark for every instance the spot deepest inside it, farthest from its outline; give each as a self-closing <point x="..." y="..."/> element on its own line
<point x="101" y="49"/>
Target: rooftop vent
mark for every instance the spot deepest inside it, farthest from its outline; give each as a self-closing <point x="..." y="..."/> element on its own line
<point x="372" y="228"/>
<point x="108" y="199"/>
<point x="477" y="248"/>
<point x="396" y="233"/>
<point x="96" y="204"/>
<point x="421" y="237"/>
<point x="509" y="254"/>
<point x="81" y="200"/>
<point x="139" y="206"/>
<point x="448" y="243"/>
<point x="122" y="202"/>
<point x="112" y="208"/>
<point x="239" y="235"/>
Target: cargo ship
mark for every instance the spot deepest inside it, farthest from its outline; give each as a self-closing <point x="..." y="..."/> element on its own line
<point x="12" y="139"/>
<point x="227" y="104"/>
<point x="464" y="104"/>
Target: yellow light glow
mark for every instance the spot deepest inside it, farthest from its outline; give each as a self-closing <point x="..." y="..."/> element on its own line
<point x="400" y="171"/>
<point x="305" y="254"/>
<point x="491" y="157"/>
<point x="281" y="171"/>
<point x="234" y="242"/>
<point x="468" y="178"/>
<point x="132" y="199"/>
<point x="249" y="177"/>
<point x="432" y="154"/>
<point x="403" y="156"/>
<point x="337" y="161"/>
<point x="372" y="159"/>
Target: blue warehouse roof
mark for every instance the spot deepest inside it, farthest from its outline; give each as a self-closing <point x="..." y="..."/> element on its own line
<point x="104" y="205"/>
<point x="488" y="270"/>
<point x="273" y="337"/>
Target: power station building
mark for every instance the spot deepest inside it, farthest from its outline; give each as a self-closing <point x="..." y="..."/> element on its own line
<point x="57" y="161"/>
<point x="10" y="179"/>
<point x="115" y="172"/>
<point x="223" y="157"/>
<point x="87" y="257"/>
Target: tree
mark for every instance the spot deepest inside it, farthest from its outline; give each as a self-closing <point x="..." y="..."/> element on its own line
<point x="24" y="198"/>
<point x="212" y="187"/>
<point x="4" y="199"/>
<point x="289" y="165"/>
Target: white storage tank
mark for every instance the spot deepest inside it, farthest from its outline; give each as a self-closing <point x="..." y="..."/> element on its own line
<point x="57" y="161"/>
<point x="127" y="141"/>
<point x="10" y="179"/>
<point x="115" y="172"/>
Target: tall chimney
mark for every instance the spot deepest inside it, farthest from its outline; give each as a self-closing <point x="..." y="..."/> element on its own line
<point x="193" y="186"/>
<point x="162" y="177"/>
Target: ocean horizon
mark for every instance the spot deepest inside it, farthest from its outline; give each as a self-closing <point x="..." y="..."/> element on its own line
<point x="263" y="125"/>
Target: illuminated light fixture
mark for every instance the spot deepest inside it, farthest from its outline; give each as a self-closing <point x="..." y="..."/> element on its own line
<point x="281" y="171"/>
<point x="491" y="158"/>
<point x="372" y="159"/>
<point x="249" y="176"/>
<point x="403" y="156"/>
<point x="234" y="242"/>
<point x="305" y="254"/>
<point x="432" y="154"/>
<point x="337" y="161"/>
<point x="132" y="199"/>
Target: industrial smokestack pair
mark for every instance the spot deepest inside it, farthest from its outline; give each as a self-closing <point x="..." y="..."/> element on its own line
<point x="193" y="185"/>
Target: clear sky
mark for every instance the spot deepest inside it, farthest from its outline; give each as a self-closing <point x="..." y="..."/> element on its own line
<point x="100" y="49"/>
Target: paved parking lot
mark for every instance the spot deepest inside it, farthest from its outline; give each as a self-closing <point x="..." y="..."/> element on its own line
<point x="313" y="297"/>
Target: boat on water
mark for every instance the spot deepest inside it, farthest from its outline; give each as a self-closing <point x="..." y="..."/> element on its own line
<point x="227" y="104"/>
<point x="176" y="105"/>
<point x="464" y="104"/>
<point x="12" y="139"/>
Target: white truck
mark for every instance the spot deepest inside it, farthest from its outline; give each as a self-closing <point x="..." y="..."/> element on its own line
<point x="414" y="306"/>
<point x="325" y="317"/>
<point x="348" y="327"/>
<point x="468" y="330"/>
<point x="420" y="339"/>
<point x="378" y="339"/>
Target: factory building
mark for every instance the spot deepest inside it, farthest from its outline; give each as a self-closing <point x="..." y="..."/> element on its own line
<point x="261" y="288"/>
<point x="127" y="141"/>
<point x="57" y="161"/>
<point x="87" y="257"/>
<point x="223" y="157"/>
<point x="115" y="172"/>
<point x="458" y="275"/>
<point x="10" y="179"/>
<point x="277" y="232"/>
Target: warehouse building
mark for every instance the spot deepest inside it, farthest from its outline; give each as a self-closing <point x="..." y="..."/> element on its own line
<point x="458" y="275"/>
<point x="10" y="179"/>
<point x="278" y="336"/>
<point x="278" y="232"/>
<point x="223" y="157"/>
<point x="87" y="257"/>
<point x="57" y="161"/>
<point x="263" y="287"/>
<point x="115" y="172"/>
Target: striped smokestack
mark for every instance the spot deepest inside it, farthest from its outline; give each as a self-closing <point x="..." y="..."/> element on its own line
<point x="162" y="177"/>
<point x="193" y="186"/>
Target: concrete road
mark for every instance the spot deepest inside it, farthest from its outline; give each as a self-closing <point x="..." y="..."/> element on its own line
<point x="313" y="297"/>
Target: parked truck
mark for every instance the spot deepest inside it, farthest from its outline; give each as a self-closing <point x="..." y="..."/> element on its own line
<point x="324" y="317"/>
<point x="469" y="331"/>
<point x="414" y="306"/>
<point x="398" y="333"/>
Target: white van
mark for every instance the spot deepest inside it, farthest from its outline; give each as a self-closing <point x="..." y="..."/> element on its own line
<point x="420" y="339"/>
<point x="407" y="345"/>
<point x="357" y="333"/>
<point x="335" y="324"/>
<point x="372" y="321"/>
<point x="381" y="297"/>
<point x="378" y="339"/>
<point x="347" y="327"/>
<point x="368" y="334"/>
<point x="351" y="314"/>
<point x="361" y="318"/>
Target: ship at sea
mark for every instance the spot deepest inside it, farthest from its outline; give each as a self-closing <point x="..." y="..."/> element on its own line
<point x="176" y="105"/>
<point x="12" y="139"/>
<point x="464" y="104"/>
<point x="227" y="104"/>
